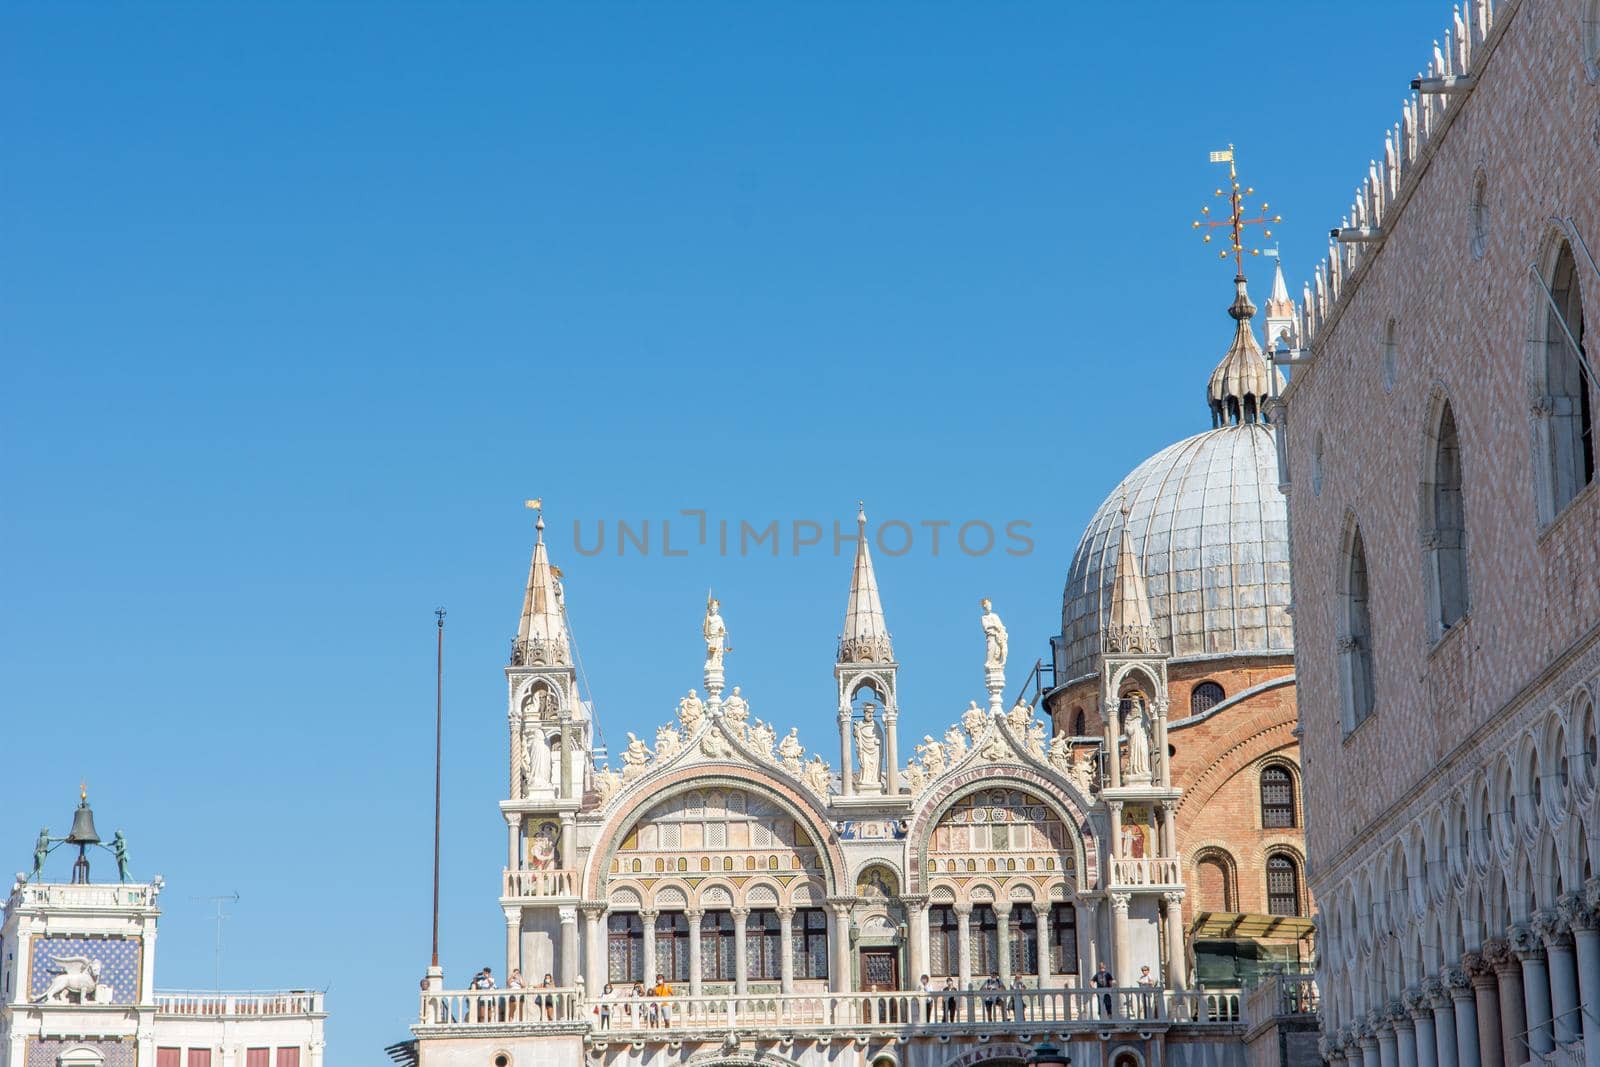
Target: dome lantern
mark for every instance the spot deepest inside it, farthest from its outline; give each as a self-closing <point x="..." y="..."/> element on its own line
<point x="1242" y="381"/>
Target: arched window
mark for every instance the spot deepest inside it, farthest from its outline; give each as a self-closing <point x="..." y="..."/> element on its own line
<point x="1204" y="697"/>
<point x="944" y="941"/>
<point x="1566" y="406"/>
<point x="984" y="942"/>
<point x="1277" y="797"/>
<point x="1355" y="640"/>
<point x="1023" y="943"/>
<point x="1283" y="885"/>
<point x="625" y="947"/>
<point x="1445" y="538"/>
<point x="810" y="943"/>
<point x="764" y="945"/>
<point x="716" y="947"/>
<point x="1079" y="724"/>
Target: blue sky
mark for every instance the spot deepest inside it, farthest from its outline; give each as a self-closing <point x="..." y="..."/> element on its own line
<point x="301" y="302"/>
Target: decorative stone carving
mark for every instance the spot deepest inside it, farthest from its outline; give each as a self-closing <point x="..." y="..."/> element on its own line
<point x="1060" y="755"/>
<point x="1083" y="771"/>
<point x="1525" y="942"/>
<point x="818" y="777"/>
<point x="1138" y="737"/>
<point x="1551" y="928"/>
<point x="735" y="710"/>
<point x="668" y="743"/>
<point x="1578" y="914"/>
<point x="714" y="745"/>
<point x="1434" y="990"/>
<point x="931" y="753"/>
<point x="955" y="743"/>
<point x="915" y="778"/>
<point x="606" y="783"/>
<point x="715" y="632"/>
<point x="1017" y="720"/>
<point x="1456" y="981"/>
<point x="974" y="720"/>
<point x="634" y="758"/>
<point x="791" y="752"/>
<point x="1038" y="737"/>
<point x="538" y="761"/>
<point x="690" y="711"/>
<point x="761" y="738"/>
<point x="995" y="639"/>
<point x="869" y="752"/>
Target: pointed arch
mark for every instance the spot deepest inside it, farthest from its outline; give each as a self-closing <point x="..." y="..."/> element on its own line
<point x="1444" y="519"/>
<point x="1563" y="394"/>
<point x="1355" y="629"/>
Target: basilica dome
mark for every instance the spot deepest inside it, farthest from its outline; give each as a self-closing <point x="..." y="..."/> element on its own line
<point x="1209" y="526"/>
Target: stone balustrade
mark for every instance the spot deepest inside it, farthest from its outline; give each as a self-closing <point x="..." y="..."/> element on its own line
<point x="1149" y="870"/>
<point x="534" y="884"/>
<point x="246" y="1005"/>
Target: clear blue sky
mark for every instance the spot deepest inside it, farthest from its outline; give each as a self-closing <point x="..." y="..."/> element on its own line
<point x="301" y="301"/>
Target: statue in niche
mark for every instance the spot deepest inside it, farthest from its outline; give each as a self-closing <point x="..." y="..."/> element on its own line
<point x="974" y="720"/>
<point x="955" y="744"/>
<point x="791" y="752"/>
<point x="868" y="751"/>
<point x="690" y="712"/>
<point x="539" y="760"/>
<point x="668" y="743"/>
<point x="932" y="753"/>
<point x="716" y="635"/>
<point x="761" y="737"/>
<point x="1138" y="738"/>
<point x="994" y="635"/>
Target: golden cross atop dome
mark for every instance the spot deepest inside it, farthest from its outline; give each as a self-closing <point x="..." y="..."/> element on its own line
<point x="1235" y="222"/>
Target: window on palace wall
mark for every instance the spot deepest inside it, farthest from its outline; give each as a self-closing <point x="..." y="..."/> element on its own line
<point x="625" y="947"/>
<point x="1079" y="724"/>
<point x="1355" y="642"/>
<point x="1283" y="885"/>
<point x="810" y="943"/>
<point x="984" y="931"/>
<point x="944" y="941"/>
<point x="1063" y="939"/>
<point x="1445" y="538"/>
<point x="1024" y="940"/>
<point x="1204" y="697"/>
<point x="672" y="946"/>
<point x="1277" y="797"/>
<point x="258" y="1057"/>
<point x="716" y="947"/>
<point x="763" y="940"/>
<point x="1567" y="405"/>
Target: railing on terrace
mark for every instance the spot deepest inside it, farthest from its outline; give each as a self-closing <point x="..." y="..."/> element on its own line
<point x="93" y="895"/>
<point x="239" y="1005"/>
<point x="1284" y="994"/>
<point x="551" y="882"/>
<point x="1152" y="870"/>
<point x="998" y="1010"/>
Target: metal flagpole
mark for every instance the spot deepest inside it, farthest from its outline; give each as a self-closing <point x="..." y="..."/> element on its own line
<point x="438" y="750"/>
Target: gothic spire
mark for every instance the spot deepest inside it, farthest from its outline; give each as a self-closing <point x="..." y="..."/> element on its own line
<point x="866" y="635"/>
<point x="1129" y="628"/>
<point x="1242" y="381"/>
<point x="542" y="633"/>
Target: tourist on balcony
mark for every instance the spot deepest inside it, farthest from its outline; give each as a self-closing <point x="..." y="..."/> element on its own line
<point x="951" y="1011"/>
<point x="483" y="981"/>
<point x="992" y="1004"/>
<point x="514" y="1000"/>
<point x="546" y="1001"/>
<point x="663" y="1008"/>
<point x="602" y="1008"/>
<point x="1147" y="983"/>
<point x="926" y="985"/>
<point x="1019" y="1000"/>
<point x="636" y="996"/>
<point x="1103" y="980"/>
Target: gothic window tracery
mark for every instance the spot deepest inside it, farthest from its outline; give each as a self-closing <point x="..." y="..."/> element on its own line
<point x="1566" y="407"/>
<point x="1445" y="533"/>
<point x="1355" y="640"/>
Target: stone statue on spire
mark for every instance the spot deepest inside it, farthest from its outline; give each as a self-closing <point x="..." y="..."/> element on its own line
<point x="716" y="634"/>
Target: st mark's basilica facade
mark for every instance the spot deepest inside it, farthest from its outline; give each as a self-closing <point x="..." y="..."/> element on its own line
<point x="1140" y="820"/>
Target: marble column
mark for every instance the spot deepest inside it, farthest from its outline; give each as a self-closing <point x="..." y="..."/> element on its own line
<point x="594" y="952"/>
<point x="963" y="945"/>
<point x="786" y="949"/>
<point x="891" y="751"/>
<point x="513" y="937"/>
<point x="1177" y="964"/>
<point x="1583" y="916"/>
<point x="1461" y="998"/>
<point x="839" y="942"/>
<point x="1163" y="768"/>
<point x="569" y="841"/>
<point x="1041" y="934"/>
<point x="567" y="967"/>
<point x="741" y="952"/>
<point x="1388" y="1047"/>
<point x="1120" y="957"/>
<point x="1370" y="1054"/>
<point x="1513" y="1004"/>
<point x="1529" y="948"/>
<point x="513" y="853"/>
<point x="916" y="939"/>
<point x="847" y="779"/>
<point x="648" y="920"/>
<point x="1425" y="1044"/>
<point x="1405" y="1035"/>
<point x="1563" y="969"/>
<point x="1486" y="1002"/>
<point x="1113" y="738"/>
<point x="1088" y="937"/>
<point x="1444" y="1021"/>
<point x="1002" y="940"/>
<point x="696" y="968"/>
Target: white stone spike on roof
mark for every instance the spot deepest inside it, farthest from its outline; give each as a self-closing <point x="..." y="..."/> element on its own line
<point x="866" y="634"/>
<point x="1129" y="628"/>
<point x="542" y="633"/>
<point x="1280" y="288"/>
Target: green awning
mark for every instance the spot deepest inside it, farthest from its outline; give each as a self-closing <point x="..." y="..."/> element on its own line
<point x="1250" y="925"/>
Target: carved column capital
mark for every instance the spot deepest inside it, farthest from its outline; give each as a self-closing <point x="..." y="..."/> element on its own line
<point x="1457" y="982"/>
<point x="1579" y="915"/>
<point x="1525" y="942"/>
<point x="914" y="901"/>
<point x="785" y="912"/>
<point x="1497" y="953"/>
<point x="593" y="909"/>
<point x="694" y="915"/>
<point x="1552" y="930"/>
<point x="739" y="914"/>
<point x="1434" y="990"/>
<point x="648" y="915"/>
<point x="962" y="909"/>
<point x="1416" y="1002"/>
<point x="1120" y="902"/>
<point x="1591" y="893"/>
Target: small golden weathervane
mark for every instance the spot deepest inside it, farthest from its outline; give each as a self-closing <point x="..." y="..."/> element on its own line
<point x="1235" y="222"/>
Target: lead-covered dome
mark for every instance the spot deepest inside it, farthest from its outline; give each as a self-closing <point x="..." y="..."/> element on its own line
<point x="1211" y="531"/>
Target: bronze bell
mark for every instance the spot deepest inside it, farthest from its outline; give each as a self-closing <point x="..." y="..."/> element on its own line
<point x="83" y="831"/>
